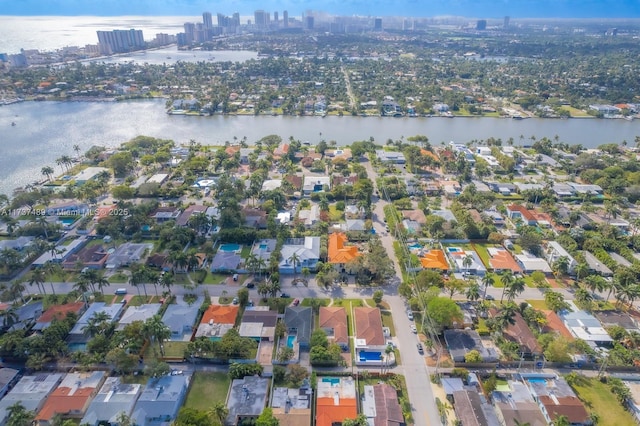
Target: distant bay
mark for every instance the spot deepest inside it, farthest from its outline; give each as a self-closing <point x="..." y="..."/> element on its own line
<point x="44" y="131"/>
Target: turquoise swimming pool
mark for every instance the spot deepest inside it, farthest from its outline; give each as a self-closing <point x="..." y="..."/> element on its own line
<point x="229" y="248"/>
<point x="453" y="249"/>
<point x="415" y="246"/>
<point x="370" y="356"/>
<point x="290" y="340"/>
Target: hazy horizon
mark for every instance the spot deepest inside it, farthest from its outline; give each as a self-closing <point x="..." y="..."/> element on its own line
<point x="551" y="9"/>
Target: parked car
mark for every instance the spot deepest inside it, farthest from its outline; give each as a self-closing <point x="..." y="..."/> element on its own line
<point x="251" y="284"/>
<point x="121" y="291"/>
<point x="296" y="302"/>
<point x="235" y="301"/>
<point x="490" y="297"/>
<point x="285" y="295"/>
<point x="420" y="349"/>
<point x="414" y="329"/>
<point x="410" y="315"/>
<point x="235" y="277"/>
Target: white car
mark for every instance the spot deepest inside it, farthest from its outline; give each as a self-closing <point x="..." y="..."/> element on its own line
<point x="410" y="315"/>
<point x="414" y="329"/>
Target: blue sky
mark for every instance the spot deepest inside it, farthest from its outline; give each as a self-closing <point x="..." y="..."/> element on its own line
<point x="418" y="8"/>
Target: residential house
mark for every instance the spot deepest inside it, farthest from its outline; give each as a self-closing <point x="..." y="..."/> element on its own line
<point x="460" y="342"/>
<point x="434" y="259"/>
<point x="563" y="190"/>
<point x="310" y="216"/>
<point x="72" y="396"/>
<point x="8" y="378"/>
<point x="354" y="225"/>
<point x="138" y="313"/>
<point x="160" y="401"/>
<point x="333" y="320"/>
<point x="17" y="244"/>
<point x="516" y="406"/>
<point x="113" y="399"/>
<point x="78" y="336"/>
<point x="556" y="398"/>
<point x="336" y="400"/>
<point x="316" y="184"/>
<point x="520" y="333"/>
<point x="61" y="253"/>
<point x="445" y="214"/>
<point x="585" y="326"/>
<point x="352" y="212"/>
<point x="27" y="315"/>
<point x="459" y="258"/>
<point x="259" y="324"/>
<point x="90" y="256"/>
<point x="281" y="151"/>
<point x="451" y="188"/>
<point x="381" y="407"/>
<point x="254" y="218"/>
<point x="555" y="251"/>
<point x="271" y="184"/>
<point x="501" y="260"/>
<point x="217" y="320"/>
<point x="128" y="253"/>
<point x="226" y="261"/>
<point x="31" y="392"/>
<point x="246" y="399"/>
<point x="468" y="407"/>
<point x="529" y="263"/>
<point x="518" y="212"/>
<point x="183" y="219"/>
<point x="339" y="254"/>
<point x="344" y="180"/>
<point x="344" y="153"/>
<point x="299" y="322"/>
<point x="392" y="157"/>
<point x="416" y="215"/>
<point x="556" y="325"/>
<point x="369" y="335"/>
<point x="612" y="318"/>
<point x="180" y="319"/>
<point x="619" y="259"/>
<point x="596" y="266"/>
<point x="58" y="312"/>
<point x="262" y="249"/>
<point x="307" y="251"/>
<point x="68" y="208"/>
<point x="165" y="214"/>
<point x="292" y="407"/>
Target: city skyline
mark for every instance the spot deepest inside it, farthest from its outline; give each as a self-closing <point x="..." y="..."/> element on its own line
<point x="466" y="8"/>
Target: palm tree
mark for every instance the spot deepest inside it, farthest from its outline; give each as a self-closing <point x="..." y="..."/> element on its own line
<point x="467" y="261"/>
<point x="47" y="171"/>
<point x="179" y="260"/>
<point x="561" y="421"/>
<point x="18" y="415"/>
<point x="219" y="412"/>
<point x="516" y="287"/>
<point x="82" y="286"/>
<point x="51" y="270"/>
<point x="295" y="259"/>
<point x="166" y="281"/>
<point x="97" y="323"/>
<point x="38" y="278"/>
<point x="76" y="149"/>
<point x="138" y="276"/>
<point x="263" y="289"/>
<point x="561" y="266"/>
<point x="506" y="316"/>
<point x="9" y="317"/>
<point x="506" y="278"/>
<point x="156" y="329"/>
<point x="487" y="280"/>
<point x="473" y="291"/>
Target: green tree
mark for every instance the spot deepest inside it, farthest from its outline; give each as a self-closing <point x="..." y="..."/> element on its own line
<point x="472" y="357"/>
<point x="157" y="369"/>
<point x="266" y="418"/>
<point x="377" y="296"/>
<point x="361" y="420"/>
<point x="243" y="296"/>
<point x="219" y="412"/>
<point x="18" y="415"/>
<point x="192" y="417"/>
<point x="443" y="312"/>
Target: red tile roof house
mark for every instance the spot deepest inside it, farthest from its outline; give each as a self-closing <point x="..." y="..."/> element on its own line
<point x="520" y="333"/>
<point x="516" y="211"/>
<point x="58" y="312"/>
<point x="333" y="320"/>
<point x="370" y="340"/>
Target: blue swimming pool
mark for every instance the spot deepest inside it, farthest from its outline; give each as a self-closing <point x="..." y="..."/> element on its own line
<point x="263" y="246"/>
<point x="453" y="249"/>
<point x="370" y="356"/>
<point x="536" y="380"/>
<point x="229" y="248"/>
<point x="332" y="380"/>
<point x="415" y="246"/>
<point x="67" y="220"/>
<point x="290" y="340"/>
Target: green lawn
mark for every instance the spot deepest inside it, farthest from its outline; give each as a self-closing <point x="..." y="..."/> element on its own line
<point x="141" y="300"/>
<point x="335" y="215"/>
<point x="538" y="304"/>
<point x="171" y="350"/>
<point x="483" y="253"/>
<point x="600" y="400"/>
<point x="206" y="390"/>
<point x="575" y="112"/>
<point x="246" y="251"/>
<point x="118" y="278"/>
<point x="387" y="321"/>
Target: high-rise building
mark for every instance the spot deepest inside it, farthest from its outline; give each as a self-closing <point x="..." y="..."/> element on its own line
<point x="275" y="18"/>
<point x="285" y="19"/>
<point x="260" y="18"/>
<point x="377" y="24"/>
<point x="190" y="32"/>
<point x="505" y="23"/>
<point x="207" y="21"/>
<point x="236" y="19"/>
<point x="310" y="22"/>
<point x="481" y="24"/>
<point x="119" y="41"/>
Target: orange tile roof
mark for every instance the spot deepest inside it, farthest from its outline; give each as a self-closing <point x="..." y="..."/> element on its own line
<point x="60" y="311"/>
<point x="434" y="259"/>
<point x="338" y="252"/>
<point x="369" y="326"/>
<point x="502" y="259"/>
<point x="327" y="413"/>
<point x="220" y="314"/>
<point x="524" y="212"/>
<point x="335" y="317"/>
<point x="554" y="323"/>
<point x="102" y="212"/>
<point x="429" y="154"/>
